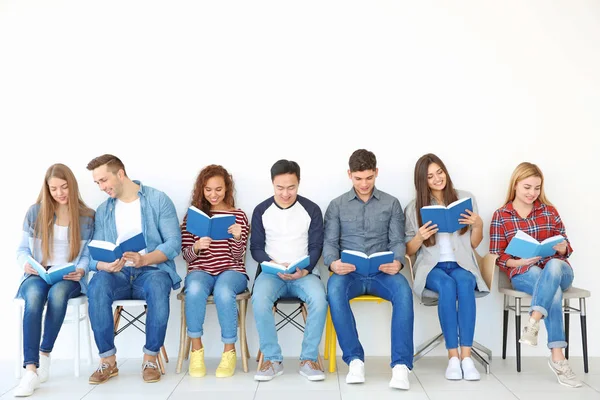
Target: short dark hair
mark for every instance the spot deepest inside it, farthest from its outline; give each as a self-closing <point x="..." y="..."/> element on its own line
<point x="113" y="163"/>
<point x="362" y="160"/>
<point x="285" y="167"/>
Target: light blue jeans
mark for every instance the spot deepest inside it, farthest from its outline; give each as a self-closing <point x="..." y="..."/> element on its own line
<point x="224" y="287"/>
<point x="267" y="289"/>
<point x="453" y="283"/>
<point x="546" y="286"/>
<point x="145" y="283"/>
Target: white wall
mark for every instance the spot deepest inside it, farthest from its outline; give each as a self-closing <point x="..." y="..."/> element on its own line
<point x="171" y="86"/>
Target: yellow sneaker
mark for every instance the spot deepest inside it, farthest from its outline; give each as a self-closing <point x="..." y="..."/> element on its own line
<point x="226" y="367"/>
<point x="197" y="367"/>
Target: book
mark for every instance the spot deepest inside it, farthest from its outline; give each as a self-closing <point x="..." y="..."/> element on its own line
<point x="53" y="274"/>
<point x="101" y="250"/>
<point x="524" y="246"/>
<point x="273" y="268"/>
<point x="201" y="225"/>
<point x="367" y="264"/>
<point x="446" y="217"/>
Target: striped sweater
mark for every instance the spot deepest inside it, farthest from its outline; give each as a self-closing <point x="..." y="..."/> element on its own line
<point x="222" y="255"/>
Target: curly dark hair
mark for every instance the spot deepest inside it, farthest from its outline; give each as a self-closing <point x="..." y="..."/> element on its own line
<point x="208" y="172"/>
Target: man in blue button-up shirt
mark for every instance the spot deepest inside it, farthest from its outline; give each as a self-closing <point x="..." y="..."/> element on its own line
<point x="368" y="220"/>
<point x="149" y="274"/>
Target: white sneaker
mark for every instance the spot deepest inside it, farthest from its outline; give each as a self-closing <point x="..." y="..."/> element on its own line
<point x="470" y="373"/>
<point x="44" y="369"/>
<point x="400" y="377"/>
<point x="29" y="382"/>
<point x="356" y="373"/>
<point x="529" y="336"/>
<point x="453" y="372"/>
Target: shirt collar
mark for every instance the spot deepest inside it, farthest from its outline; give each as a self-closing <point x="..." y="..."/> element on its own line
<point x="537" y="205"/>
<point x="351" y="194"/>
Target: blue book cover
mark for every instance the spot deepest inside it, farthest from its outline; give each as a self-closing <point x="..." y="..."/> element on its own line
<point x="367" y="264"/>
<point x="446" y="218"/>
<point x="201" y="225"/>
<point x="101" y="250"/>
<point x="524" y="246"/>
<point x="53" y="274"/>
<point x="273" y="267"/>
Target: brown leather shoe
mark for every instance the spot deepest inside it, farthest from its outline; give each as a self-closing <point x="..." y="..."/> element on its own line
<point x="104" y="372"/>
<point x="150" y="372"/>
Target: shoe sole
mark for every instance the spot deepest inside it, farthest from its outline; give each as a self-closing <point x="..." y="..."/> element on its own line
<point x="352" y="382"/>
<point x="262" y="378"/>
<point x="528" y="343"/>
<point x="400" y="387"/>
<point x="311" y="377"/>
<point x="99" y="383"/>
<point x="152" y="381"/>
<point x="559" y="381"/>
<point x="454" y="378"/>
<point x="197" y="375"/>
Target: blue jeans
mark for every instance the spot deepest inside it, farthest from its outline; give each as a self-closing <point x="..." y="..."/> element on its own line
<point x="452" y="283"/>
<point x="36" y="292"/>
<point x="267" y="289"/>
<point x="146" y="283"/>
<point x="546" y="287"/>
<point x="394" y="288"/>
<point x="224" y="287"/>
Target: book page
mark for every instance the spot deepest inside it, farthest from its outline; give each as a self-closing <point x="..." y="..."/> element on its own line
<point x="380" y="253"/>
<point x="457" y="202"/>
<point x="557" y="239"/>
<point x="523" y="236"/>
<point x="101" y="244"/>
<point x="356" y="253"/>
<point x="59" y="267"/>
<point x="199" y="211"/>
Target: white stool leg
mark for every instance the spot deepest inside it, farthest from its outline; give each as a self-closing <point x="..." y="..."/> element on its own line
<point x="76" y="322"/>
<point x="86" y="321"/>
<point x="19" y="315"/>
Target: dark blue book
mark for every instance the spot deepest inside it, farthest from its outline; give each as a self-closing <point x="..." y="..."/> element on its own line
<point x="524" y="246"/>
<point x="101" y="250"/>
<point x="53" y="274"/>
<point x="446" y="218"/>
<point x="367" y="265"/>
<point x="273" y="267"/>
<point x="201" y="225"/>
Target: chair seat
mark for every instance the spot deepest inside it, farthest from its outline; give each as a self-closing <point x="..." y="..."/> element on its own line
<point x="129" y="303"/>
<point x="571" y="293"/>
<point x="430" y="298"/>
<point x="75" y="301"/>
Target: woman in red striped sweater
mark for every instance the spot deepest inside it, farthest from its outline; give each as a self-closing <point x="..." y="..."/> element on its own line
<point x="214" y="267"/>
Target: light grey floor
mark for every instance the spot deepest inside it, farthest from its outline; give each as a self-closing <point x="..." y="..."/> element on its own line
<point x="536" y="381"/>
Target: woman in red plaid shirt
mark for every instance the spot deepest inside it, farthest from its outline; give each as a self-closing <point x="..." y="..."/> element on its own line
<point x="527" y="209"/>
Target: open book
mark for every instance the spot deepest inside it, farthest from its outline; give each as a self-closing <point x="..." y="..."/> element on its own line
<point x="53" y="274"/>
<point x="215" y="227"/>
<point x="101" y="250"/>
<point x="524" y="246"/>
<point x="273" y="268"/>
<point x="446" y="218"/>
<point x="367" y="265"/>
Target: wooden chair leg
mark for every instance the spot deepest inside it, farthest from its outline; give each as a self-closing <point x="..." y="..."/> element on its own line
<point x="161" y="364"/>
<point x="182" y="338"/>
<point x="242" y="325"/>
<point x="259" y="358"/>
<point x="164" y="353"/>
<point x="245" y="336"/>
<point x="117" y="317"/>
<point x="188" y="347"/>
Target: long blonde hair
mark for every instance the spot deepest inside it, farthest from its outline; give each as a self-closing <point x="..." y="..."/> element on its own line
<point x="523" y="171"/>
<point x="44" y="225"/>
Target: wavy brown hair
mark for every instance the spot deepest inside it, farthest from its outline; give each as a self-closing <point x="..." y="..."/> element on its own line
<point x="424" y="191"/>
<point x="44" y="224"/>
<point x="208" y="172"/>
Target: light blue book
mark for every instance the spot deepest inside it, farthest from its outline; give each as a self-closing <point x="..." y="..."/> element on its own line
<point x="446" y="218"/>
<point x="101" y="250"/>
<point x="524" y="246"/>
<point x="201" y="225"/>
<point x="367" y="264"/>
<point x="273" y="267"/>
<point x="53" y="274"/>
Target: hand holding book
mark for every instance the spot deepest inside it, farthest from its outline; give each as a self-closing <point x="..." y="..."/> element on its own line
<point x="427" y="230"/>
<point x="470" y="218"/>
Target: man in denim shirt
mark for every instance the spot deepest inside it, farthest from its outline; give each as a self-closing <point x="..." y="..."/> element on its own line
<point x="368" y="220"/>
<point x="149" y="274"/>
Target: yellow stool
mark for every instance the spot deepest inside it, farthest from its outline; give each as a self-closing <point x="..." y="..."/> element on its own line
<point x="330" y="335"/>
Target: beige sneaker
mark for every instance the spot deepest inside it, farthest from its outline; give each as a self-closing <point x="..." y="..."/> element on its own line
<point x="150" y="372"/>
<point x="529" y="335"/>
<point x="104" y="372"/>
<point x="564" y="373"/>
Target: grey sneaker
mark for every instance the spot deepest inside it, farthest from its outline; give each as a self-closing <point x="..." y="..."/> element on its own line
<point x="268" y="371"/>
<point x="564" y="373"/>
<point x="311" y="370"/>
<point x="530" y="333"/>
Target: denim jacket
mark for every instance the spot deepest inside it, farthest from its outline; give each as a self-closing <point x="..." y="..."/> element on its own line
<point x="160" y="227"/>
<point x="31" y="246"/>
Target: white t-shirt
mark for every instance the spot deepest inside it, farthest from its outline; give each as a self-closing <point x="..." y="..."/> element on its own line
<point x="446" y="250"/>
<point x="128" y="218"/>
<point x="60" y="246"/>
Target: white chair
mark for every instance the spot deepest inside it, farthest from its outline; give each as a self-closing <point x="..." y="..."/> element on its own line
<point x="77" y="312"/>
<point x="135" y="321"/>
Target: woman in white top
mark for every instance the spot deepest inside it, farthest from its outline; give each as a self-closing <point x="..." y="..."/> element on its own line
<point x="446" y="262"/>
<point x="56" y="231"/>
